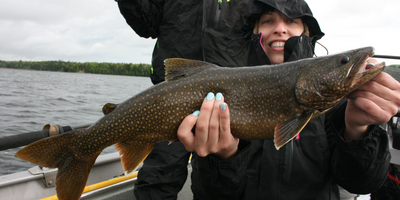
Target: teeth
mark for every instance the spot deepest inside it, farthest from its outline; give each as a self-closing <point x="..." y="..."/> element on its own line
<point x="278" y="44"/>
<point x="348" y="72"/>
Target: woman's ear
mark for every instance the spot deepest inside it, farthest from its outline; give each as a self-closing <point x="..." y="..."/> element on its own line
<point x="306" y="31"/>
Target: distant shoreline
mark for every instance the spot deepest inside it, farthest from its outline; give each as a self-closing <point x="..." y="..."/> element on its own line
<point x="66" y="72"/>
<point x="127" y="69"/>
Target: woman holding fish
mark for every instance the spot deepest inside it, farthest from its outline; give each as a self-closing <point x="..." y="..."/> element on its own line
<point x="345" y="146"/>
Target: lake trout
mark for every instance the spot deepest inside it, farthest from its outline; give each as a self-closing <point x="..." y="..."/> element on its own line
<point x="264" y="101"/>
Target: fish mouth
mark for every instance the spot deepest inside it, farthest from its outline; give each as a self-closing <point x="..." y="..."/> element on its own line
<point x="324" y="87"/>
<point x="360" y="72"/>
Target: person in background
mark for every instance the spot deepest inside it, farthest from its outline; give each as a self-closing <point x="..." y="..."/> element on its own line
<point x="208" y="30"/>
<point x="344" y="147"/>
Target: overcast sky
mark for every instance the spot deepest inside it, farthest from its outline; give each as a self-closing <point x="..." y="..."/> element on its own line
<point x="95" y="31"/>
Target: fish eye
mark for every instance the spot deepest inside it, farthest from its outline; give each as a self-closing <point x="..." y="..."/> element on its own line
<point x="343" y="60"/>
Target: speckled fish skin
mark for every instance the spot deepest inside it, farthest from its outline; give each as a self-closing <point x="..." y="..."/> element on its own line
<point x="264" y="101"/>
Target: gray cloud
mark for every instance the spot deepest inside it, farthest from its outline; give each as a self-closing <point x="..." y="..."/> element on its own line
<point x="95" y="31"/>
<point x="350" y="24"/>
<point x="90" y="30"/>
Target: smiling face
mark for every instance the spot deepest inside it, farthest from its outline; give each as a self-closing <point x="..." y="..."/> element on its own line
<point x="276" y="28"/>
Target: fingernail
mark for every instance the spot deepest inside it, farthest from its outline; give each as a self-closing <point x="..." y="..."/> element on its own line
<point x="210" y="96"/>
<point x="218" y="97"/>
<point x="196" y="113"/>
<point x="371" y="64"/>
<point x="223" y="106"/>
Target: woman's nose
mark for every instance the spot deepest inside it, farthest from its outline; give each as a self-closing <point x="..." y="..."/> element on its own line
<point x="280" y="28"/>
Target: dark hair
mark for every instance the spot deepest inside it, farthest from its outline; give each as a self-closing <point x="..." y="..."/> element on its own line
<point x="269" y="9"/>
<point x="290" y="8"/>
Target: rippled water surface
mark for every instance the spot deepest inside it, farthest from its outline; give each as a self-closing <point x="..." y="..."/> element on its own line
<point x="31" y="99"/>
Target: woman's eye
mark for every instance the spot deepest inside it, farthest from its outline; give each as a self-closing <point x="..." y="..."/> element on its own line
<point x="292" y="21"/>
<point x="267" y="21"/>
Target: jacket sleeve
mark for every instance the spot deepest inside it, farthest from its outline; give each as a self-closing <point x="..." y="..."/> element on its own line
<point x="164" y="172"/>
<point x="359" y="166"/>
<point x="213" y="178"/>
<point x="143" y="16"/>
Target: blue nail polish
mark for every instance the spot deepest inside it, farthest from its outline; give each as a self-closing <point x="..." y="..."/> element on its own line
<point x="210" y="96"/>
<point x="218" y="97"/>
<point x="196" y="113"/>
<point x="371" y="64"/>
<point x="222" y="106"/>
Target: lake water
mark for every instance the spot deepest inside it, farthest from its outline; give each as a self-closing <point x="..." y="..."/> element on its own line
<point x="31" y="99"/>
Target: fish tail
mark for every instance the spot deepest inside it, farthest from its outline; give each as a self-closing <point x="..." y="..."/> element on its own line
<point x="59" y="152"/>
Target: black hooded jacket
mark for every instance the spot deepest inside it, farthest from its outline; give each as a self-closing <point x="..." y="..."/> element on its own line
<point x="313" y="165"/>
<point x="297" y="47"/>
<point x="208" y="30"/>
<point x="310" y="167"/>
<point x="192" y="29"/>
<point x="321" y="161"/>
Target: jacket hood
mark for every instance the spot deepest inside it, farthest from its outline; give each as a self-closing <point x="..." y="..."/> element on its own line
<point x="296" y="47"/>
<point x="292" y="9"/>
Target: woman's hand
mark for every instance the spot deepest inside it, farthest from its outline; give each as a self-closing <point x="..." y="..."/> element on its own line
<point x="212" y="133"/>
<point x="375" y="102"/>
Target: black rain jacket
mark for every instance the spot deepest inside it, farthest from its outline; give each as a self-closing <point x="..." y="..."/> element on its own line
<point x="321" y="161"/>
<point x="310" y="167"/>
<point x="296" y="48"/>
<point x="207" y="30"/>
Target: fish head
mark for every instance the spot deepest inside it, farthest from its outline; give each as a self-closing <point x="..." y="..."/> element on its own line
<point x="324" y="81"/>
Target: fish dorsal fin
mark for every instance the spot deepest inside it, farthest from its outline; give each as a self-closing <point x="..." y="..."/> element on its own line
<point x="108" y="108"/>
<point x="286" y="131"/>
<point x="176" y="68"/>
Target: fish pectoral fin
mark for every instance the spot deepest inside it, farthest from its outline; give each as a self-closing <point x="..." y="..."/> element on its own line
<point x="286" y="131"/>
<point x="133" y="153"/>
<point x="176" y="68"/>
<point x="109" y="107"/>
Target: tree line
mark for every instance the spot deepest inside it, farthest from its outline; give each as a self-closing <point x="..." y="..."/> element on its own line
<point x="86" y="67"/>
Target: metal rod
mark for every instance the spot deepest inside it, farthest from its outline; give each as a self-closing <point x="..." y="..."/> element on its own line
<point x="13" y="141"/>
<point x="23" y="139"/>
<point x="386" y="56"/>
